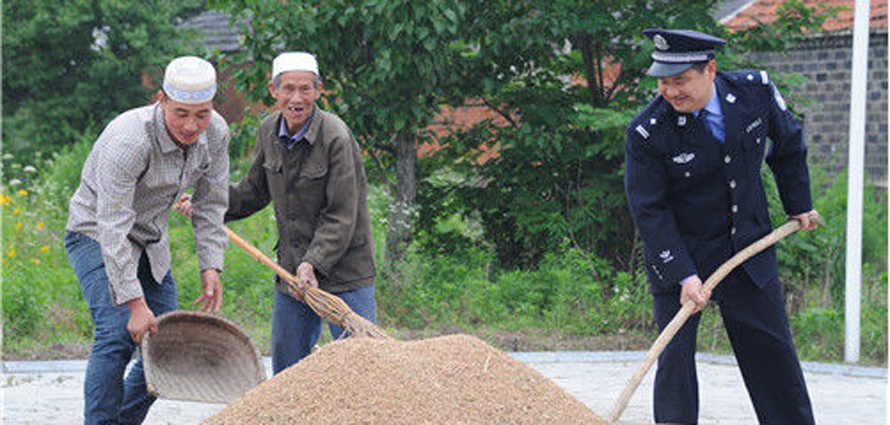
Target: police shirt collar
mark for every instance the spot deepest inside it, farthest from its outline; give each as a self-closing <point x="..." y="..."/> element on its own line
<point x="713" y="107"/>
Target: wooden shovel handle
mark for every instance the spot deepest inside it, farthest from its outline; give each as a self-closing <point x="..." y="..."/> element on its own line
<point x="668" y="333"/>
<point x="254" y="252"/>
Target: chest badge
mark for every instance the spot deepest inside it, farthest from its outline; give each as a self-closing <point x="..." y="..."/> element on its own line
<point x="754" y="125"/>
<point x="684" y="158"/>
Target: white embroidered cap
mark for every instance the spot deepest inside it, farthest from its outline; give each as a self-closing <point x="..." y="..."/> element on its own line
<point x="190" y="79"/>
<point x="294" y="61"/>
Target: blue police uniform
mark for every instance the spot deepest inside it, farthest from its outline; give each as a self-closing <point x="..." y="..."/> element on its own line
<point x="696" y="201"/>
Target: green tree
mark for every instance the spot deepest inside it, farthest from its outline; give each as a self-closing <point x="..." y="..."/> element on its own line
<point x="567" y="76"/>
<point x="386" y="67"/>
<point x="71" y="64"/>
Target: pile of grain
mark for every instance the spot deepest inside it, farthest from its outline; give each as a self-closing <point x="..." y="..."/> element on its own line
<point x="454" y="379"/>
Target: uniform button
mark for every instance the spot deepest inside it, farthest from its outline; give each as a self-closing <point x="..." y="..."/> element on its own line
<point x="732" y="184"/>
<point x="727" y="159"/>
<point x="735" y="208"/>
<point x="733" y="230"/>
<point x="758" y="140"/>
<point x="687" y="174"/>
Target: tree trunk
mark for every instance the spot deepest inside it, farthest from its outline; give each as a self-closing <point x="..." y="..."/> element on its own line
<point x="402" y="214"/>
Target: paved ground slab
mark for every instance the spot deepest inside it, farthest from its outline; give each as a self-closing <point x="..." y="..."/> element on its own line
<point x="51" y="392"/>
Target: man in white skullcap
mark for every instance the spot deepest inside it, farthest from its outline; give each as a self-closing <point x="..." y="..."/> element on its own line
<point x="117" y="228"/>
<point x="308" y="164"/>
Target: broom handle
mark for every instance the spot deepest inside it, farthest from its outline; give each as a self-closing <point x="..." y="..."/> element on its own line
<point x="262" y="258"/>
<point x="665" y="337"/>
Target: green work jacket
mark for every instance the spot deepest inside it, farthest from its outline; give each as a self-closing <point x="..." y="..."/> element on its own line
<point x="319" y="192"/>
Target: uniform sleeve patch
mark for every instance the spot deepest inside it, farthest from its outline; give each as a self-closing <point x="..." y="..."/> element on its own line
<point x="778" y="96"/>
<point x="764" y="77"/>
<point x="642" y="131"/>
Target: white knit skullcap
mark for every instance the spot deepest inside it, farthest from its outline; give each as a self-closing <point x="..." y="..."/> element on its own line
<point x="294" y="61"/>
<point x="189" y="79"/>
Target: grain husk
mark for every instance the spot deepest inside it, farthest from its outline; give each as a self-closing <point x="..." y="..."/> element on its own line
<point x="455" y="379"/>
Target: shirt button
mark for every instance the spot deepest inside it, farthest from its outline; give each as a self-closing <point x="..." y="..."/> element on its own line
<point x="727" y="159"/>
<point x="732" y="184"/>
<point x="735" y="208"/>
<point x="733" y="230"/>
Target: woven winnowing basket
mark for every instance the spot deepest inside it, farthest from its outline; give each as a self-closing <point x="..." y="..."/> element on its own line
<point x="197" y="356"/>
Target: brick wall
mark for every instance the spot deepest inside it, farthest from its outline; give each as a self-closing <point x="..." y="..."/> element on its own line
<point x="826" y="62"/>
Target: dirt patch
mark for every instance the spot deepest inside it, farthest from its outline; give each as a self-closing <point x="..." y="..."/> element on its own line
<point x="511" y="341"/>
<point x="44" y="352"/>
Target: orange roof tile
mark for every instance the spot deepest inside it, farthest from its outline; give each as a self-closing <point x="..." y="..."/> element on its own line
<point x="764" y="11"/>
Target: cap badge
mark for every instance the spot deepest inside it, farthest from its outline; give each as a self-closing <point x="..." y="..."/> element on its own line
<point x="660" y="42"/>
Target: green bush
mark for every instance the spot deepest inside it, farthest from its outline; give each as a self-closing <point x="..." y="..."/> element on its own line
<point x="452" y="275"/>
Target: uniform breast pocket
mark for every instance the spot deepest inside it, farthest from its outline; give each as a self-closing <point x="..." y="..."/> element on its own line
<point x="683" y="166"/>
<point x="754" y="140"/>
<point x="312" y="183"/>
<point x="755" y="144"/>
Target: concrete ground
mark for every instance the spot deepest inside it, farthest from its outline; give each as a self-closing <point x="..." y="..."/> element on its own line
<point x="51" y="392"/>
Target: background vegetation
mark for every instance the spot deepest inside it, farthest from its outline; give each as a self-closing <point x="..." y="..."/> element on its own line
<point x="538" y="240"/>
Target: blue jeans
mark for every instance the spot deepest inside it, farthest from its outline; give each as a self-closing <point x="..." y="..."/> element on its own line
<point x="296" y="328"/>
<point x="109" y="398"/>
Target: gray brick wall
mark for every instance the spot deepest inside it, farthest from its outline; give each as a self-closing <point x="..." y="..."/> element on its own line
<point x="824" y="100"/>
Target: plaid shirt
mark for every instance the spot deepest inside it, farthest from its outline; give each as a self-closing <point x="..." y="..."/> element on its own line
<point x="129" y="183"/>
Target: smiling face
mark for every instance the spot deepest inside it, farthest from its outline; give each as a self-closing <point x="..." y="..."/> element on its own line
<point x="295" y="97"/>
<point x="690" y="90"/>
<point x="184" y="121"/>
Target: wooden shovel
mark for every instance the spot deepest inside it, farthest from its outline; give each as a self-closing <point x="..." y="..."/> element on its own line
<point x="326" y="305"/>
<point x="662" y="341"/>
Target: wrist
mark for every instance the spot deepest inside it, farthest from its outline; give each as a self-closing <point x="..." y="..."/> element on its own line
<point x="137" y="304"/>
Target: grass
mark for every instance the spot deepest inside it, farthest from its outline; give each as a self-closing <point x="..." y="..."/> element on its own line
<point x="570" y="301"/>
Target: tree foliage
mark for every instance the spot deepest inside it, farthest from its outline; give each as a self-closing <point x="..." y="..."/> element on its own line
<point x="71" y="64"/>
<point x="387" y="66"/>
<point x="564" y="77"/>
<point x="567" y="76"/>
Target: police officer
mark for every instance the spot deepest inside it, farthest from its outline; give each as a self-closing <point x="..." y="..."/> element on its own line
<point x="693" y="160"/>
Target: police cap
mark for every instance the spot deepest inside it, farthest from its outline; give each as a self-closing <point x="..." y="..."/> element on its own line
<point x="677" y="50"/>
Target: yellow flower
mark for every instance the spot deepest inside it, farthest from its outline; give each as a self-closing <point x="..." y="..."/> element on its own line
<point x="18" y="226"/>
<point x="44" y="248"/>
<point x="35" y="261"/>
<point x="17" y="210"/>
<point x="40" y="225"/>
<point x="11" y="252"/>
<point x="23" y="192"/>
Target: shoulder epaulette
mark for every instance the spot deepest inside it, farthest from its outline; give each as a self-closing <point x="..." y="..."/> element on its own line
<point x="749" y="77"/>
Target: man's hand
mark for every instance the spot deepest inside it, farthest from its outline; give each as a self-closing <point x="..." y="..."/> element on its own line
<point x="142" y="320"/>
<point x="693" y="291"/>
<point x="809" y="220"/>
<point x="184" y="205"/>
<point x="211" y="293"/>
<point x="306" y="275"/>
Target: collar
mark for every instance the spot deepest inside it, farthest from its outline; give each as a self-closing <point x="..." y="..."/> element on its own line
<point x="713" y="107"/>
<point x="284" y="135"/>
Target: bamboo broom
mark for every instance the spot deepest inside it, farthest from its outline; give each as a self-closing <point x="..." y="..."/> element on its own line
<point x="680" y="318"/>
<point x="325" y="304"/>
